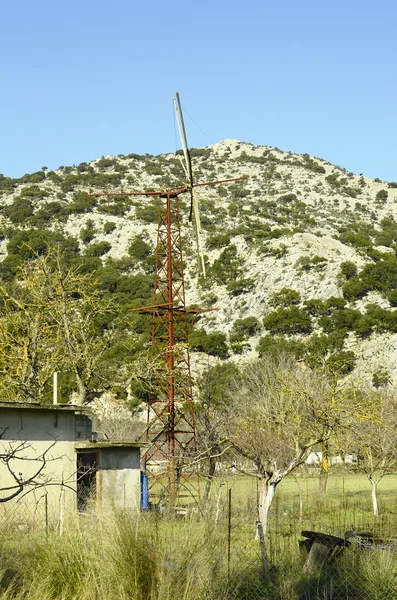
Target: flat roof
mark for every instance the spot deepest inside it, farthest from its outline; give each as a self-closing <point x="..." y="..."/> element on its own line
<point x="37" y="406"/>
<point x="90" y="445"/>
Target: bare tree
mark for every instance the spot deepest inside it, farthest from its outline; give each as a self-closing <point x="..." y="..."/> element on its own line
<point x="212" y="417"/>
<point x="373" y="439"/>
<point x="23" y="469"/>
<point x="280" y="412"/>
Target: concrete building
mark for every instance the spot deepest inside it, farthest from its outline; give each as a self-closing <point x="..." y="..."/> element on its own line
<point x="53" y="451"/>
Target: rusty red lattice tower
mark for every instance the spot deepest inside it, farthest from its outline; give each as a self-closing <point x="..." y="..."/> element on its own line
<point x="170" y="460"/>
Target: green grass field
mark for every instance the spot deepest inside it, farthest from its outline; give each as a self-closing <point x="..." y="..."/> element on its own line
<point x="160" y="556"/>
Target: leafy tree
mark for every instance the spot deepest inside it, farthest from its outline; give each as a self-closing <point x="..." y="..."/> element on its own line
<point x="382" y="195"/>
<point x="211" y="414"/>
<point x="54" y="319"/>
<point x="373" y="440"/>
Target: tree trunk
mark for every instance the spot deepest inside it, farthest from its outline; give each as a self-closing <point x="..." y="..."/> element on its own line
<point x="324" y="466"/>
<point x="81" y="393"/>
<point x="374" y="498"/>
<point x="211" y="473"/>
<point x="262" y="544"/>
<point x="266" y="496"/>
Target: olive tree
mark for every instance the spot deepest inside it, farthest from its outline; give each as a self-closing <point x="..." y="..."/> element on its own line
<point x="280" y="412"/>
<point x="373" y="440"/>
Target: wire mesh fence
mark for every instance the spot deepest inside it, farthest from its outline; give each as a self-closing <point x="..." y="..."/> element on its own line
<point x="216" y="548"/>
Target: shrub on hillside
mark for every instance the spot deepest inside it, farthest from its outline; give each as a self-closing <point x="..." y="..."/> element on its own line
<point x="139" y="249"/>
<point x="315" y="307"/>
<point x="348" y="269"/>
<point x="341" y="363"/>
<point x="285" y="297"/>
<point x="240" y="286"/>
<point x="277" y="346"/>
<point x="354" y="289"/>
<point x="213" y="344"/>
<point x="290" y="320"/>
<point x="109" y="227"/>
<point x="243" y="329"/>
<point x="20" y="210"/>
<point x="98" y="249"/>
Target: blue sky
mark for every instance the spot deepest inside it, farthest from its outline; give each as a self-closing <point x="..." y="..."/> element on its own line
<point x="86" y="78"/>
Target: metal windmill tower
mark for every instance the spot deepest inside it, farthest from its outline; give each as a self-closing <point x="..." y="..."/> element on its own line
<point x="170" y="432"/>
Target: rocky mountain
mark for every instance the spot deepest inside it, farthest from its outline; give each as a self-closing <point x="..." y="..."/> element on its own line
<point x="301" y="256"/>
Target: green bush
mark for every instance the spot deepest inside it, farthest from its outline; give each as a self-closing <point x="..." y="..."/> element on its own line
<point x="306" y="263"/>
<point x="348" y="269"/>
<point x="334" y="302"/>
<point x="219" y="240"/>
<point x="109" y="226"/>
<point x="354" y="289"/>
<point x="392" y="297"/>
<point x="148" y="213"/>
<point x="341" y="363"/>
<point x="49" y="211"/>
<point x="288" y="198"/>
<point x="87" y="233"/>
<point x="315" y="307"/>
<point x="340" y="319"/>
<point x="240" y="286"/>
<point x="227" y="267"/>
<point x="358" y="240"/>
<point x="243" y="329"/>
<point x="382" y="195"/>
<point x="82" y="204"/>
<point x="290" y="320"/>
<point x="364" y="326"/>
<point x="381" y="276"/>
<point x="20" y="210"/>
<point x="98" y="249"/>
<point x="277" y="347"/>
<point x="285" y="297"/>
<point x="381" y="378"/>
<point x="213" y="344"/>
<point x="139" y="249"/>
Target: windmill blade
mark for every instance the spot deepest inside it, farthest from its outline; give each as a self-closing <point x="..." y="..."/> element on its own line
<point x="194" y="213"/>
<point x="187" y="165"/>
<point x="197" y="231"/>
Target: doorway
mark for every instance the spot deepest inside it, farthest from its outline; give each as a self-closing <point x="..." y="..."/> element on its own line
<point x="87" y="467"/>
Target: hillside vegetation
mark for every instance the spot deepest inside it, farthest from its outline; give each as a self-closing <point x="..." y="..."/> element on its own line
<point x="301" y="256"/>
